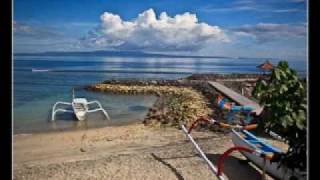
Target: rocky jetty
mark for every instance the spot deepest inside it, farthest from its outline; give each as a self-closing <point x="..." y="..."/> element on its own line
<point x="175" y="104"/>
<point x="183" y="100"/>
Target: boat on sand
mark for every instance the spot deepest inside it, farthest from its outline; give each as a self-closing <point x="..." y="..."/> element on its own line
<point x="246" y="139"/>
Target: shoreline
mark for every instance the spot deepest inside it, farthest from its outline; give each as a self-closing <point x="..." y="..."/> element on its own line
<point x="190" y="81"/>
<point x="196" y="82"/>
<point x="133" y="150"/>
<point x="82" y="129"/>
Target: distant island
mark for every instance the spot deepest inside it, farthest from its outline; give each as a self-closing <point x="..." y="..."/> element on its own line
<point x="114" y="54"/>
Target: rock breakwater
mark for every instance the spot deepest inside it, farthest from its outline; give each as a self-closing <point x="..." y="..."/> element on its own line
<point x="183" y="100"/>
<point x="176" y="104"/>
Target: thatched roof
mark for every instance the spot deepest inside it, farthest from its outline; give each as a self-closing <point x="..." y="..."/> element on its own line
<point x="266" y="66"/>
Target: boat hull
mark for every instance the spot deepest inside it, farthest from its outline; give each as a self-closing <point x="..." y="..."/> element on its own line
<point x="81" y="116"/>
<point x="80" y="108"/>
<point x="271" y="168"/>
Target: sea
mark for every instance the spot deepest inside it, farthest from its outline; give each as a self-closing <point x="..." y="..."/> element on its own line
<point x="35" y="92"/>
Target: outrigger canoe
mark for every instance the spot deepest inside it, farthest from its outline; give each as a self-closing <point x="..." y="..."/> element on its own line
<point x="253" y="148"/>
<point x="80" y="107"/>
<point x="244" y="138"/>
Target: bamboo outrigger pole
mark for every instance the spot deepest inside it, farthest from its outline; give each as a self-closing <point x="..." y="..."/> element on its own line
<point x="224" y="125"/>
<point x="211" y="166"/>
<point x="218" y="170"/>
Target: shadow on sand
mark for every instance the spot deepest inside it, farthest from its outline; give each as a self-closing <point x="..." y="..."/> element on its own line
<point x="176" y="173"/>
<point x="235" y="168"/>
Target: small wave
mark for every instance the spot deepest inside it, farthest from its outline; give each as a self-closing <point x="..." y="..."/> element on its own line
<point x="40" y="70"/>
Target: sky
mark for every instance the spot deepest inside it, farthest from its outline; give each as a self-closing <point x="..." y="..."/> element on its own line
<point x="237" y="28"/>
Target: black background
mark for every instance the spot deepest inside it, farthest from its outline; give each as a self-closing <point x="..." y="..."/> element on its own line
<point x="6" y="83"/>
<point x="314" y="83"/>
<point x="5" y="70"/>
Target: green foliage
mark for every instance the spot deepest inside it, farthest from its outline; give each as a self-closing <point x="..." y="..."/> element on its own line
<point x="285" y="106"/>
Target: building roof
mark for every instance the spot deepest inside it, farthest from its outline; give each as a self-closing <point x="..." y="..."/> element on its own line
<point x="266" y="66"/>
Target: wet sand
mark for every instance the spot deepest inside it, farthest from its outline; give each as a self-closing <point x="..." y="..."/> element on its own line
<point x="124" y="152"/>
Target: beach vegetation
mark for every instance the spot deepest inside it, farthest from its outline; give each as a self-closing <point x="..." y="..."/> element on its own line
<point x="284" y="99"/>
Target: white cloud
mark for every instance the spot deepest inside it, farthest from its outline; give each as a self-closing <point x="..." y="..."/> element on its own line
<point x="251" y="8"/>
<point x="270" y="6"/>
<point x="265" y="32"/>
<point x="147" y="32"/>
<point x="34" y="32"/>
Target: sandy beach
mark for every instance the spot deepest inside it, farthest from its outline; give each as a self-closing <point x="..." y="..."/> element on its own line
<point x="144" y="150"/>
<point x="123" y="152"/>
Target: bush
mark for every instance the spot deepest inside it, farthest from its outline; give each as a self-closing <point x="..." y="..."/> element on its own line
<point x="284" y="98"/>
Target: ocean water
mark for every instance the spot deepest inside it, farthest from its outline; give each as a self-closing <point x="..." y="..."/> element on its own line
<point x="36" y="92"/>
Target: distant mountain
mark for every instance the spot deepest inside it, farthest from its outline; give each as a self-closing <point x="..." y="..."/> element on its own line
<point x="263" y="58"/>
<point x="113" y="54"/>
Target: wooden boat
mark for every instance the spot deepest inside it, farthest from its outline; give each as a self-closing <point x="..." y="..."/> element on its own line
<point x="80" y="108"/>
<point x="245" y="139"/>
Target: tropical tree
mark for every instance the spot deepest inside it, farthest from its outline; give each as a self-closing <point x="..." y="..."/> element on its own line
<point x="285" y="109"/>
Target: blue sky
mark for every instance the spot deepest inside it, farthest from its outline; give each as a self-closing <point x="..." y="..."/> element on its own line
<point x="254" y="28"/>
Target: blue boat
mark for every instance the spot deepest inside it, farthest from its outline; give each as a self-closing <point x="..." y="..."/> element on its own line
<point x="246" y="139"/>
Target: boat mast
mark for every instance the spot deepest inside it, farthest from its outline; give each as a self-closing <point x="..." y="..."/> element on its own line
<point x="73" y="93"/>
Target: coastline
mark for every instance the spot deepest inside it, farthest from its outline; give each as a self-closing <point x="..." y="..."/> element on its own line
<point x="84" y="128"/>
<point x="134" y="150"/>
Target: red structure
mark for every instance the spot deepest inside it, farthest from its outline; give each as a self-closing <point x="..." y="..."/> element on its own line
<point x="266" y="66"/>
